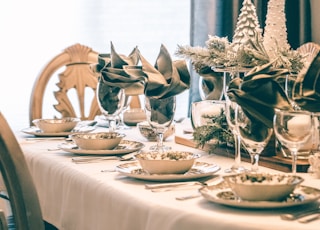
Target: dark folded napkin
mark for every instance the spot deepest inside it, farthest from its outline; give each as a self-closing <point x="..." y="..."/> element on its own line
<point x="260" y="92"/>
<point x="306" y="90"/>
<point x="166" y="78"/>
<point x="211" y="83"/>
<point x="113" y="72"/>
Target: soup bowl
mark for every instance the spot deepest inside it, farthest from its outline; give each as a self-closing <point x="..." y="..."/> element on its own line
<point x="170" y="162"/>
<point x="97" y="141"/>
<point x="262" y="186"/>
<point x="56" y="125"/>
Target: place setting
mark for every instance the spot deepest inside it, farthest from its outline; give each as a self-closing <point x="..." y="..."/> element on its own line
<point x="58" y="127"/>
<point x="168" y="166"/>
<point x="252" y="190"/>
<point x="100" y="143"/>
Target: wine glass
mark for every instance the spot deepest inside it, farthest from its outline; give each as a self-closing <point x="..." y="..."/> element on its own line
<point x="231" y="108"/>
<point x="160" y="114"/>
<point x="111" y="100"/>
<point x="254" y="135"/>
<point x="293" y="130"/>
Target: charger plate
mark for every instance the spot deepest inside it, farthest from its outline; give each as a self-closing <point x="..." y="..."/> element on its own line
<point x="125" y="146"/>
<point x="198" y="170"/>
<point x="222" y="194"/>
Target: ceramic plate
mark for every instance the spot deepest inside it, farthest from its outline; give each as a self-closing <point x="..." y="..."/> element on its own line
<point x="38" y="133"/>
<point x="124" y="147"/>
<point x="222" y="194"/>
<point x="198" y="170"/>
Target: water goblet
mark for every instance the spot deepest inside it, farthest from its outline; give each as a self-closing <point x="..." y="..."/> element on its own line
<point x="111" y="100"/>
<point x="160" y="114"/>
<point x="293" y="130"/>
<point x="254" y="135"/>
<point x="231" y="116"/>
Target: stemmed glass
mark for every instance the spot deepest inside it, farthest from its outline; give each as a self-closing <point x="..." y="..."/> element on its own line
<point x="293" y="129"/>
<point x="231" y="117"/>
<point x="254" y="135"/>
<point x="111" y="101"/>
<point x="160" y="114"/>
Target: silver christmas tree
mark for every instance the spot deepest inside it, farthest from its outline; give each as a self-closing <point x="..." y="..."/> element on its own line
<point x="247" y="24"/>
<point x="275" y="32"/>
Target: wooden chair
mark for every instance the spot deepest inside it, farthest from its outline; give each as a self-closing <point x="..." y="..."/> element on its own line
<point x="77" y="75"/>
<point x="19" y="187"/>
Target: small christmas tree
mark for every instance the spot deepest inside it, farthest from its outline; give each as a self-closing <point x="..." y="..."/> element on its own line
<point x="275" y="32"/>
<point x="247" y="24"/>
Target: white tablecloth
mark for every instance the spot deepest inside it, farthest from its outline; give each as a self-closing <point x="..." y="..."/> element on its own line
<point x="81" y="197"/>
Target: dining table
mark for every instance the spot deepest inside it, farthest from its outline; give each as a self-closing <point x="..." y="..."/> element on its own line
<point x="96" y="195"/>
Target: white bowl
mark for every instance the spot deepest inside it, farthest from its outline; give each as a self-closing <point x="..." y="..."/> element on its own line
<point x="170" y="162"/>
<point x="147" y="132"/>
<point x="262" y="186"/>
<point x="56" y="125"/>
<point x="97" y="141"/>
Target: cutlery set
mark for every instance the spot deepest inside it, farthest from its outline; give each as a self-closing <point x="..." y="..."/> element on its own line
<point x="173" y="186"/>
<point x="165" y="187"/>
<point x="93" y="159"/>
<point x="304" y="216"/>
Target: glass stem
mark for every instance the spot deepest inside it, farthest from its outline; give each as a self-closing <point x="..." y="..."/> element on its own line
<point x="254" y="162"/>
<point x="294" y="154"/>
<point x="237" y="151"/>
<point x="112" y="125"/>
<point x="160" y="142"/>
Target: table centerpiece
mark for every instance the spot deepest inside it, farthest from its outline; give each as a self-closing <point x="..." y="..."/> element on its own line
<point x="276" y="76"/>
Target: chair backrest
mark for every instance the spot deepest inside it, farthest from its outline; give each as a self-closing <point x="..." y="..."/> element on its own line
<point x="78" y="74"/>
<point x="18" y="182"/>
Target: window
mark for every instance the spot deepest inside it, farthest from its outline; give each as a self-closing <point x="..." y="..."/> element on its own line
<point x="34" y="31"/>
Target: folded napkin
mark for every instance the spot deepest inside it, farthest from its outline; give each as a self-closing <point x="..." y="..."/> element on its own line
<point x="212" y="83"/>
<point x="260" y="92"/>
<point x="113" y="72"/>
<point x="306" y="90"/>
<point x="166" y="78"/>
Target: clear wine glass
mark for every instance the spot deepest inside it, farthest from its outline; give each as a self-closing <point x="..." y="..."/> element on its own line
<point x="254" y="135"/>
<point x="231" y="108"/>
<point x="160" y="114"/>
<point x="293" y="130"/>
<point x="111" y="101"/>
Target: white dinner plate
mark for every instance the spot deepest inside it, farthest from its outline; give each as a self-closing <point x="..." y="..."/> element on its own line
<point x="198" y="170"/>
<point x="124" y="147"/>
<point x="38" y="133"/>
<point x="222" y="194"/>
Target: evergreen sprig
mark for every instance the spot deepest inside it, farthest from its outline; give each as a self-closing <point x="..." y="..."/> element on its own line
<point x="215" y="131"/>
<point x="220" y="53"/>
